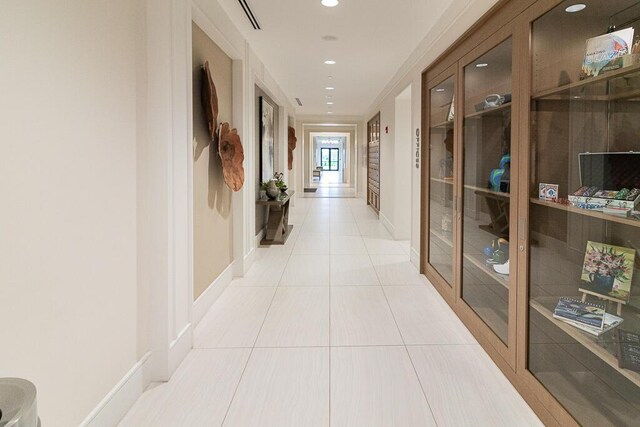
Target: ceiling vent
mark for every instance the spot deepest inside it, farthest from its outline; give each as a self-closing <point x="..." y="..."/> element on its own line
<point x="250" y="16"/>
<point x="299" y="102"/>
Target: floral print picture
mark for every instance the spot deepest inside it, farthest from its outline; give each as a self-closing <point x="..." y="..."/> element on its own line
<point x="608" y="270"/>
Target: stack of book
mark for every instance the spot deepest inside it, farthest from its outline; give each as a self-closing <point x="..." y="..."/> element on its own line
<point x="588" y="317"/>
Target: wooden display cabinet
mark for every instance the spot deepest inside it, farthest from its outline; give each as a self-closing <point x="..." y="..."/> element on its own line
<point x="544" y="118"/>
<point x="441" y="181"/>
<point x="373" y="163"/>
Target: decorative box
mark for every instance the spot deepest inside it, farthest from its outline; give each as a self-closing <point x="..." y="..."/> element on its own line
<point x="608" y="172"/>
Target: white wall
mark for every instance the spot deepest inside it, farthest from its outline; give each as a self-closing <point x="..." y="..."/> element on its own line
<point x="387" y="165"/>
<point x="404" y="164"/>
<point x="95" y="254"/>
<point x="448" y="27"/>
<point x="68" y="286"/>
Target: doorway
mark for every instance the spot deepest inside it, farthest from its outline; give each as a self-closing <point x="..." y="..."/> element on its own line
<point x="337" y="174"/>
<point x="330" y="159"/>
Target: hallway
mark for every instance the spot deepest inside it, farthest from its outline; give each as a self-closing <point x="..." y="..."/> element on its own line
<point x="336" y="327"/>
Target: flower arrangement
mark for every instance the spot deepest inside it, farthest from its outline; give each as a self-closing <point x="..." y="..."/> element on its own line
<point x="606" y="262"/>
<point x="277" y="177"/>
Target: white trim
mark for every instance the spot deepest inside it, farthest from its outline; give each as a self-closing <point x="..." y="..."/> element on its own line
<point x="248" y="260"/>
<point x="120" y="399"/>
<point x="211" y="294"/>
<point x="259" y="237"/>
<point x="200" y="18"/>
<point x="415" y="258"/>
<point x="387" y="224"/>
<point x="180" y="347"/>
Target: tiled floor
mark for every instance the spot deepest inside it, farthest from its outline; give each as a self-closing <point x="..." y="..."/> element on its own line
<point x="336" y="327"/>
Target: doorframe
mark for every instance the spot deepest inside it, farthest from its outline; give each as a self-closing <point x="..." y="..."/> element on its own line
<point x="347" y="150"/>
<point x="331" y="150"/>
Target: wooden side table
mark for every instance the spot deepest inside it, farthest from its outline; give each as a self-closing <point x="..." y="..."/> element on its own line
<point x="278" y="228"/>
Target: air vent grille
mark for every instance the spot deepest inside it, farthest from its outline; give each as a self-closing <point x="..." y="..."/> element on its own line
<point x="250" y="16"/>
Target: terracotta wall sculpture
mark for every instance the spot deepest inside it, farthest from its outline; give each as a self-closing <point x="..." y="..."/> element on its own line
<point x="210" y="101"/>
<point x="232" y="155"/>
<point x="292" y="145"/>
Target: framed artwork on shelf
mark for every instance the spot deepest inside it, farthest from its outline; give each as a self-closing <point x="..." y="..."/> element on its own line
<point x="604" y="53"/>
<point x="607" y="271"/>
<point x="266" y="140"/>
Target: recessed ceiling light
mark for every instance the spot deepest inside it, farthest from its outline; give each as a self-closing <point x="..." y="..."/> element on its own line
<point x="329" y="38"/>
<point x="329" y="62"/>
<point x="329" y="112"/>
<point x="329" y="103"/>
<point x="329" y="3"/>
<point x="329" y="88"/>
<point x="482" y="65"/>
<point x="575" y="8"/>
<point x="328" y="97"/>
<point x="440" y="89"/>
<point x="329" y="77"/>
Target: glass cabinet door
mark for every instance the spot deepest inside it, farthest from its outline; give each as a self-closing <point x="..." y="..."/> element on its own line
<point x="486" y="222"/>
<point x="584" y="219"/>
<point x="441" y="208"/>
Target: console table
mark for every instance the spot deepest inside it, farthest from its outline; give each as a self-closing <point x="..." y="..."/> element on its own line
<point x="278" y="228"/>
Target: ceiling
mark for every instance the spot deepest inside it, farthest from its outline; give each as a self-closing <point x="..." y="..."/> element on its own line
<point x="374" y="38"/>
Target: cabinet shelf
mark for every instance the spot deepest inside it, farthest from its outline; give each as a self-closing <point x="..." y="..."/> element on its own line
<point x="588" y="341"/>
<point x="448" y="181"/>
<point x="564" y="92"/>
<point x="488" y="192"/>
<point x="443" y="238"/>
<point x="586" y="212"/>
<point x="500" y="278"/>
<point x="490" y="112"/>
<point x="443" y="125"/>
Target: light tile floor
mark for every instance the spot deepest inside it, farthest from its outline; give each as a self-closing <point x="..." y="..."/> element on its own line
<point x="336" y="327"/>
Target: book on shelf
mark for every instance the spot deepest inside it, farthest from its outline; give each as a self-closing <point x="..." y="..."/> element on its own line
<point x="610" y="322"/>
<point x="583" y="313"/>
<point x="628" y="350"/>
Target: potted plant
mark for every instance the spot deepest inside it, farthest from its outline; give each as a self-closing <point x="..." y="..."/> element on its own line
<point x="282" y="186"/>
<point x="270" y="188"/>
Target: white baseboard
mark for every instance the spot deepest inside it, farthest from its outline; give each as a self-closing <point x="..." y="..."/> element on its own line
<point x="415" y="258"/>
<point x="387" y="224"/>
<point x="259" y="237"/>
<point x="211" y="294"/>
<point x="180" y="347"/>
<point x="120" y="399"/>
<point x="246" y="264"/>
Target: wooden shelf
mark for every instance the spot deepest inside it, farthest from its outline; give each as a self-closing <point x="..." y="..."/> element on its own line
<point x="442" y="237"/>
<point x="590" y="342"/>
<point x="586" y="212"/>
<point x="502" y="279"/>
<point x="443" y="181"/>
<point x="489" y="112"/>
<point x="488" y="191"/>
<point x="564" y="92"/>
<point x="443" y="125"/>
